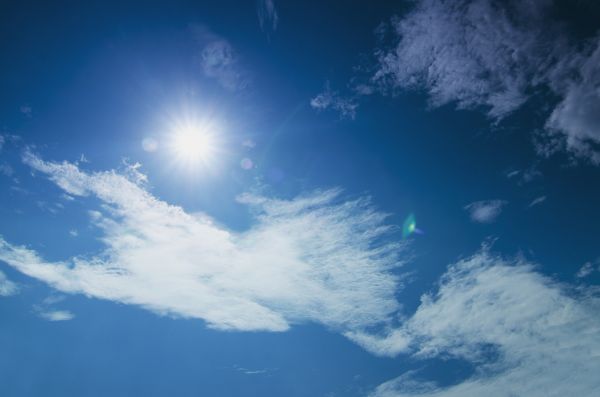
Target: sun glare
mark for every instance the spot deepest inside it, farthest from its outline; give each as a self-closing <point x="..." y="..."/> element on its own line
<point x="194" y="143"/>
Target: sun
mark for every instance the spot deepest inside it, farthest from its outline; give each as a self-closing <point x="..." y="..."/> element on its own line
<point x="194" y="143"/>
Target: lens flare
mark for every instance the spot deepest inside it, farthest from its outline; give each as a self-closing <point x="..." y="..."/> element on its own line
<point x="410" y="226"/>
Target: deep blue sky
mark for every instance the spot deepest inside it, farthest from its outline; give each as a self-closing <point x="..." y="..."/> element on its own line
<point x="95" y="79"/>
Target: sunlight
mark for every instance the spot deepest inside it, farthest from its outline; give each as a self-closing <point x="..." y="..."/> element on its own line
<point x="194" y="142"/>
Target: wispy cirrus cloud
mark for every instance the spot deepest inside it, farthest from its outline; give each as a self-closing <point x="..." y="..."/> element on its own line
<point x="314" y="258"/>
<point x="537" y="201"/>
<point x="56" y="315"/>
<point x="321" y="259"/>
<point x="218" y="59"/>
<point x="588" y="268"/>
<point x="329" y="99"/>
<point x="485" y="211"/>
<point x="524" y="333"/>
<point x="7" y="287"/>
<point x="483" y="54"/>
<point x="267" y="15"/>
<point x="495" y="56"/>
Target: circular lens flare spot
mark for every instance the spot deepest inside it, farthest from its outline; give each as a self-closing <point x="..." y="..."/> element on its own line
<point x="246" y="164"/>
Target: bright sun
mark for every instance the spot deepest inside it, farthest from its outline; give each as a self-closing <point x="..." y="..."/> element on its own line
<point x="194" y="143"/>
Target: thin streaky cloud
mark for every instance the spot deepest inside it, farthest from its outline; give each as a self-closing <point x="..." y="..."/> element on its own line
<point x="56" y="315"/>
<point x="268" y="18"/>
<point x="537" y="200"/>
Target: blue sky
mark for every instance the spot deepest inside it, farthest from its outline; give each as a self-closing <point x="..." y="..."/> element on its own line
<point x="281" y="198"/>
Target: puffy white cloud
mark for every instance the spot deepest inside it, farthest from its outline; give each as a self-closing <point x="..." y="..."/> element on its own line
<point x="314" y="258"/>
<point x="526" y="334"/>
<point x="7" y="287"/>
<point x="485" y="211"/>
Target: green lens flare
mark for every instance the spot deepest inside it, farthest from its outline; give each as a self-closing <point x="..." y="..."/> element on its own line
<point x="409" y="226"/>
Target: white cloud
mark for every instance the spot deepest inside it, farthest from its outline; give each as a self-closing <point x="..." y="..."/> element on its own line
<point x="588" y="268"/>
<point x="267" y="15"/>
<point x="314" y="258"/>
<point x="56" y="315"/>
<point x="485" y="211"/>
<point x="329" y="99"/>
<point x="537" y="200"/>
<point x="526" y="334"/>
<point x="218" y="59"/>
<point x="7" y="287"/>
<point x="2" y="140"/>
<point x="495" y="56"/>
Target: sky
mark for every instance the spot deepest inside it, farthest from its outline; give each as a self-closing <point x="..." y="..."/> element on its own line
<point x="269" y="198"/>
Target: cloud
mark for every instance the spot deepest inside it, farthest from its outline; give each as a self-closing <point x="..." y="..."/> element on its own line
<point x="525" y="334"/>
<point x="26" y="110"/>
<point x="588" y="268"/>
<point x="537" y="200"/>
<point x="495" y="56"/>
<point x="315" y="258"/>
<point x="56" y="315"/>
<point x="6" y="170"/>
<point x="218" y="59"/>
<point x="329" y="99"/>
<point x="7" y="287"/>
<point x="267" y="15"/>
<point x="2" y="140"/>
<point x="485" y="211"/>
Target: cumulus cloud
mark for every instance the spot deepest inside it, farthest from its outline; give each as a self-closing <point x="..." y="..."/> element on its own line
<point x="267" y="15"/>
<point x="329" y="99"/>
<point x="314" y="258"/>
<point x="218" y="59"/>
<point x="7" y="287"/>
<point x="526" y="334"/>
<point x="485" y="211"/>
<point x="494" y="56"/>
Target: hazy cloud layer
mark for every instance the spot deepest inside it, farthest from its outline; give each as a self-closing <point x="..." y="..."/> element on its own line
<point x="313" y="258"/>
<point x="524" y="333"/>
<point x="485" y="211"/>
